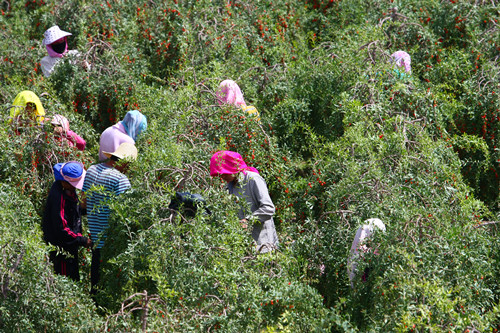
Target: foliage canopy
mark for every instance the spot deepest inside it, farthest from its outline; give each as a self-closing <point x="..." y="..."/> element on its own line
<point x="343" y="138"/>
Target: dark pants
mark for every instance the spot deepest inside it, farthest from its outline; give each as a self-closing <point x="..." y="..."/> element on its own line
<point x="366" y="274"/>
<point x="67" y="266"/>
<point x="94" y="270"/>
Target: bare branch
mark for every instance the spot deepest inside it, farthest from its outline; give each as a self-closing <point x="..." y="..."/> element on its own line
<point x="340" y="212"/>
<point x="484" y="223"/>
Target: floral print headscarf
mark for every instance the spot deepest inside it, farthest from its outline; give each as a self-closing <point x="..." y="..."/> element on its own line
<point x="402" y="59"/>
<point x="230" y="93"/>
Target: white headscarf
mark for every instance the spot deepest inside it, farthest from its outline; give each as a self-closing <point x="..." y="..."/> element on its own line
<point x="364" y="232"/>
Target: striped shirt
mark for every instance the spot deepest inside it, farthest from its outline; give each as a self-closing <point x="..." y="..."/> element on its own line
<point x="101" y="184"/>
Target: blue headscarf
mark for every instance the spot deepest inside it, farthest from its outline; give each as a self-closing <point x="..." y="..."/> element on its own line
<point x="134" y="123"/>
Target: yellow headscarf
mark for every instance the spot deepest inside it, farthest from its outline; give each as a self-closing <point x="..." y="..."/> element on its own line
<point x="23" y="98"/>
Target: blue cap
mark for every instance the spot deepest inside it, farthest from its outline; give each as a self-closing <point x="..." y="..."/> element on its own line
<point x="73" y="172"/>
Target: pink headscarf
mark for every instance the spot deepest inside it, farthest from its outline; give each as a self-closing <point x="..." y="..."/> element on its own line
<point x="230" y="93"/>
<point x="55" y="54"/>
<point x="227" y="162"/>
<point x="402" y="59"/>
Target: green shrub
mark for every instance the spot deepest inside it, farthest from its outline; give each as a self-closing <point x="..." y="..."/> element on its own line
<point x="33" y="299"/>
<point x="342" y="138"/>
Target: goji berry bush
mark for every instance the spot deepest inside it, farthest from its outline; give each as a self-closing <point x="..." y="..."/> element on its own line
<point x="342" y="138"/>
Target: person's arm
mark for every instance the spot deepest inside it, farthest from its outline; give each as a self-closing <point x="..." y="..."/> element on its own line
<point x="49" y="64"/>
<point x="78" y="140"/>
<point x="46" y="65"/>
<point x="56" y="215"/>
<point x="260" y="195"/>
<point x="83" y="203"/>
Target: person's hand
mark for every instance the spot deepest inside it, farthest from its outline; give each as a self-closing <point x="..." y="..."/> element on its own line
<point x="83" y="201"/>
<point x="363" y="248"/>
<point x="58" y="130"/>
<point x="89" y="243"/>
<point x="244" y="223"/>
<point x="86" y="65"/>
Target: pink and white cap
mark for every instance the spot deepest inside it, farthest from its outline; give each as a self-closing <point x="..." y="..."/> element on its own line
<point x="73" y="172"/>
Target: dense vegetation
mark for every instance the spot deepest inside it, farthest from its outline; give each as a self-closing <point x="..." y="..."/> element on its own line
<point x="342" y="139"/>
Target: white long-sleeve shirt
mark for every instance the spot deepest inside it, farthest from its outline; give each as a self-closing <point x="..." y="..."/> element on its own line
<point x="49" y="63"/>
<point x="358" y="247"/>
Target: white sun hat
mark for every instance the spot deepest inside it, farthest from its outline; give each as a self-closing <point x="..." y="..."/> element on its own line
<point x="125" y="150"/>
<point x="54" y="33"/>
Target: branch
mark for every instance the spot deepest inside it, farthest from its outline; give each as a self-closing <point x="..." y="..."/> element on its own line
<point x="336" y="212"/>
<point x="5" y="285"/>
<point x="486" y="223"/>
<point x="367" y="45"/>
<point x="417" y="159"/>
<point x="143" y="303"/>
<point x="416" y="192"/>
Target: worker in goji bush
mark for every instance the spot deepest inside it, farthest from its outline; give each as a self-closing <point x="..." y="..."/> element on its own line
<point x="133" y="124"/>
<point x="62" y="225"/>
<point x="245" y="182"/>
<point x="56" y="43"/>
<point x="359" y="247"/>
<point x="402" y="60"/>
<point x="104" y="181"/>
<point x="230" y="93"/>
<point x="64" y="135"/>
<point x="26" y="110"/>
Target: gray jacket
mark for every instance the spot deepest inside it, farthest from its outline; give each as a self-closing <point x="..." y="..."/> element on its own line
<point x="258" y="208"/>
